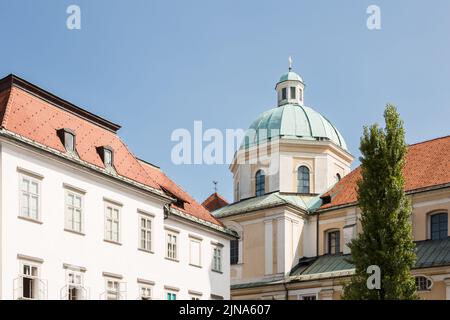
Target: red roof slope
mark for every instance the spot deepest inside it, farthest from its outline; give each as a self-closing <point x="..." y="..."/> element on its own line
<point x="214" y="201"/>
<point x="189" y="206"/>
<point x="35" y="114"/>
<point x="427" y="164"/>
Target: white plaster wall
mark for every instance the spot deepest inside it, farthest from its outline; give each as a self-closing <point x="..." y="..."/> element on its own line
<point x="55" y="246"/>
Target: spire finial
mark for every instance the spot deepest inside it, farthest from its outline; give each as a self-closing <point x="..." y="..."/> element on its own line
<point x="215" y="186"/>
<point x="290" y="63"/>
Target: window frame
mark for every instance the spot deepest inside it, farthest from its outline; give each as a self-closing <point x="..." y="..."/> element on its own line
<point x="148" y="217"/>
<point x="293" y="93"/>
<point x="217" y="259"/>
<point x="73" y="285"/>
<point x="172" y="234"/>
<point x="67" y="227"/>
<point x="146" y="287"/>
<point x="31" y="179"/>
<point x="337" y="239"/>
<point x="432" y="215"/>
<point x="428" y="283"/>
<point x="234" y="251"/>
<point x="36" y="279"/>
<point x="301" y="187"/>
<point x="119" y="224"/>
<point x="260" y="180"/>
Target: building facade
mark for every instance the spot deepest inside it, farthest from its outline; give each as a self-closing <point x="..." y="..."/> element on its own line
<point x="295" y="206"/>
<point x="82" y="218"/>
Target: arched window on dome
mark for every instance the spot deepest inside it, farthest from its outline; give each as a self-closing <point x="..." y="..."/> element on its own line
<point x="260" y="183"/>
<point x="338" y="177"/>
<point x="303" y="180"/>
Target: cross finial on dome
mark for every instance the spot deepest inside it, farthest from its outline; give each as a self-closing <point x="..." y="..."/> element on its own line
<point x="290" y="63"/>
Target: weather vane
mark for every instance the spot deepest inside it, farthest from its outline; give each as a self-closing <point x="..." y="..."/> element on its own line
<point x="290" y="63"/>
<point x="215" y="185"/>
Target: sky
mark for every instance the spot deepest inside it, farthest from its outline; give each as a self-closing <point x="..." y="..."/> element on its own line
<point x="156" y="66"/>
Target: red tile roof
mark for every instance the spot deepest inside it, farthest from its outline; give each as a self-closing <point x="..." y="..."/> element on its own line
<point x="427" y="165"/>
<point x="35" y="114"/>
<point x="189" y="204"/>
<point x="214" y="201"/>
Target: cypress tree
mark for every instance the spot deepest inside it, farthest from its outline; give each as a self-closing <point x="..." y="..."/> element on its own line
<point x="386" y="238"/>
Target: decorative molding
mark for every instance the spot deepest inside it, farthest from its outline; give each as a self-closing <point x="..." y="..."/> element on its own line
<point x="29" y="258"/>
<point x="112" y="275"/>
<point x="30" y="173"/>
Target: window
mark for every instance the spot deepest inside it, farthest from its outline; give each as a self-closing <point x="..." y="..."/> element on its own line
<point x="115" y="289"/>
<point x="75" y="290"/>
<point x="29" y="197"/>
<point x="439" y="226"/>
<point x="112" y="223"/>
<point x="29" y="281"/>
<point x="303" y="180"/>
<point x="293" y="91"/>
<point x="333" y="242"/>
<point x="283" y="94"/>
<point x="74" y="211"/>
<point x="195" y="252"/>
<point x="145" y="292"/>
<point x="67" y="137"/>
<point x="234" y="251"/>
<point x="172" y="245"/>
<point x="260" y="183"/>
<point x="195" y="297"/>
<point x="308" y="297"/>
<point x="338" y="177"/>
<point x="171" y="296"/>
<point x="107" y="155"/>
<point x="423" y="283"/>
<point x="300" y="94"/>
<point x="145" y="238"/>
<point x="217" y="259"/>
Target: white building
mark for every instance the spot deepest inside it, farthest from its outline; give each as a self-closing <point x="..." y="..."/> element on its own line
<point x="82" y="218"/>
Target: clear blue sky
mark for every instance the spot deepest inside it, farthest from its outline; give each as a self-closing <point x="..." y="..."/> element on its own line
<point x="154" y="66"/>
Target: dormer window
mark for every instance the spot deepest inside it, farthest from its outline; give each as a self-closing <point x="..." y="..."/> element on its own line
<point x="67" y="137"/>
<point x="107" y="155"/>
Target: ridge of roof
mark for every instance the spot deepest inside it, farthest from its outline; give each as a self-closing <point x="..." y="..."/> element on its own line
<point x="13" y="80"/>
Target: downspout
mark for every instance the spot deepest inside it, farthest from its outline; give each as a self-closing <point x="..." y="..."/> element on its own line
<point x="166" y="211"/>
<point x="317" y="235"/>
<point x="286" y="290"/>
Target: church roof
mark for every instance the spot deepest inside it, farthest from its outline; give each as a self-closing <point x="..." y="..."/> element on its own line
<point x="427" y="165"/>
<point x="294" y="122"/>
<point x="430" y="253"/>
<point x="214" y="201"/>
<point x="266" y="201"/>
<point x="290" y="76"/>
<point x="33" y="116"/>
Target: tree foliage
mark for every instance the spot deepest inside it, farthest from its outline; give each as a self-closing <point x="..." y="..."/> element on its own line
<point x="386" y="238"/>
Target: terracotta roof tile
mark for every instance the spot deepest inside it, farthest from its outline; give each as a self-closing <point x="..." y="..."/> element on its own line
<point x="427" y="164"/>
<point x="214" y="201"/>
<point x="190" y="205"/>
<point x="31" y="115"/>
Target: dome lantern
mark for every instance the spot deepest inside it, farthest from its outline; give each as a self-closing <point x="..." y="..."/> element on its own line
<point x="290" y="88"/>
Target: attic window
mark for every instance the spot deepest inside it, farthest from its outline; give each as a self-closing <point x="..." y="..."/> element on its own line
<point x="67" y="137"/>
<point x="107" y="155"/>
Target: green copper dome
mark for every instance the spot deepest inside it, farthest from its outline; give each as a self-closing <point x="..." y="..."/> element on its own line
<point x="292" y="121"/>
<point x="290" y="76"/>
